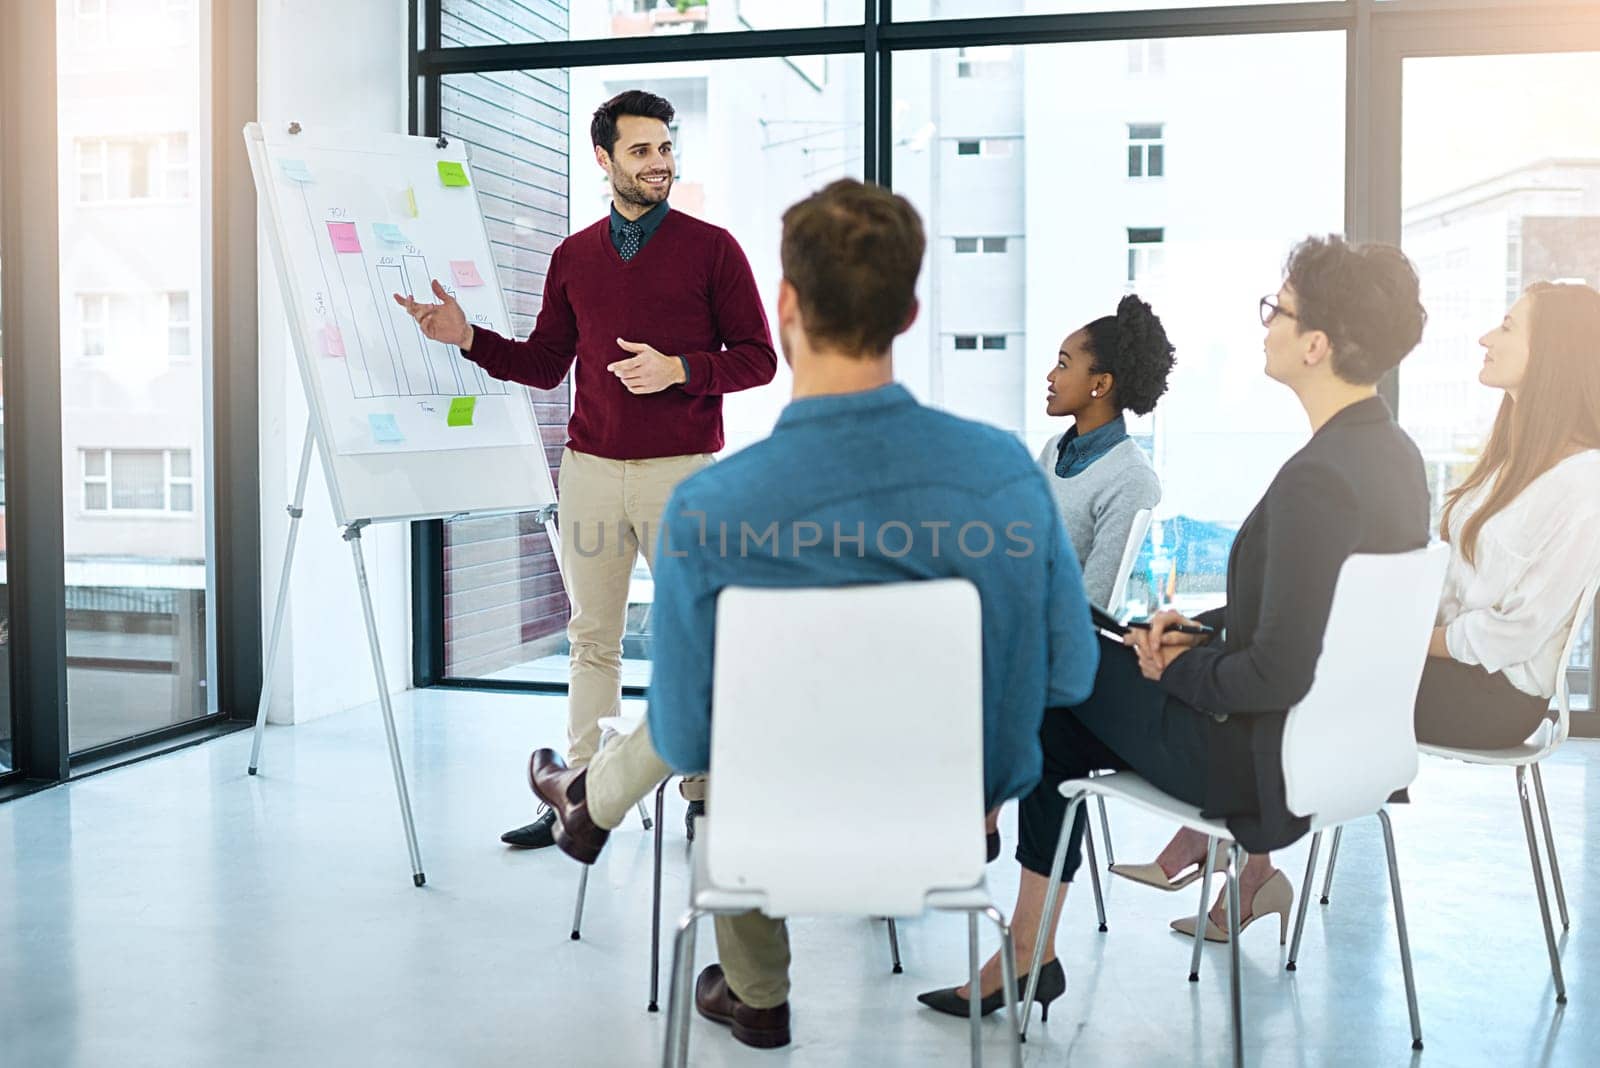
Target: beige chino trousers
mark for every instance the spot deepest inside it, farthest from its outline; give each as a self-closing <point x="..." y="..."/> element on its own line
<point x="609" y="512"/>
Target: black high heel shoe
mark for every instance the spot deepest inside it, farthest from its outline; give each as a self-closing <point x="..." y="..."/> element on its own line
<point x="1052" y="984"/>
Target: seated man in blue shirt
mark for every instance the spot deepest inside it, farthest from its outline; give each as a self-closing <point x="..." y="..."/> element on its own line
<point x="857" y="484"/>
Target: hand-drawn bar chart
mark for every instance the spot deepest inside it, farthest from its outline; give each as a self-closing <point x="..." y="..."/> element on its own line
<point x="358" y="284"/>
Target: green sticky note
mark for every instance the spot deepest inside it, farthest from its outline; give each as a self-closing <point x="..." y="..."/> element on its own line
<point x="461" y="409"/>
<point x="452" y="173"/>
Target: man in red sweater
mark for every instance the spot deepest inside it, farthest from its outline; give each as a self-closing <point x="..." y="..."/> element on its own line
<point x="662" y="315"/>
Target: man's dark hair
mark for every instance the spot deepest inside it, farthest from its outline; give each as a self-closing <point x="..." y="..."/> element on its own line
<point x="1364" y="297"/>
<point x="603" y="127"/>
<point x="1132" y="347"/>
<point x="852" y="252"/>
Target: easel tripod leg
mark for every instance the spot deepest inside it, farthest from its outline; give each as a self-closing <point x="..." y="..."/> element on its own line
<point x="295" y="511"/>
<point x="352" y="534"/>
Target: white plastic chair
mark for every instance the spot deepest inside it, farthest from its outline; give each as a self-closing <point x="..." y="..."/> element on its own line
<point x="1119" y="593"/>
<point x="1347" y="746"/>
<point x="1544" y="741"/>
<point x="627" y="725"/>
<point x="815" y="686"/>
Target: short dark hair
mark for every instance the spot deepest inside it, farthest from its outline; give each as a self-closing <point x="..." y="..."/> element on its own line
<point x="1365" y="297"/>
<point x="852" y="252"/>
<point x="603" y="127"/>
<point x="1132" y="347"/>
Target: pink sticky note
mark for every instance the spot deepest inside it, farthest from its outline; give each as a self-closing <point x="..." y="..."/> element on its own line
<point x="466" y="273"/>
<point x="333" y="340"/>
<point x="343" y="236"/>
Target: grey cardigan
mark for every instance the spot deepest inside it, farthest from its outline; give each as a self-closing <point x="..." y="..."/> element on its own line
<point x="1098" y="505"/>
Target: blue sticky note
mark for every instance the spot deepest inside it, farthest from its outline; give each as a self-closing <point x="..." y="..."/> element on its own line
<point x="389" y="232"/>
<point x="385" y="431"/>
<point x="297" y="170"/>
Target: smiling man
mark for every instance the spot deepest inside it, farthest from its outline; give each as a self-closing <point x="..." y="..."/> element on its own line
<point x="662" y="316"/>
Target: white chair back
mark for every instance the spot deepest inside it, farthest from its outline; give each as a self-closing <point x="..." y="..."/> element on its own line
<point x="1130" y="553"/>
<point x="847" y="746"/>
<point x="1351" y="741"/>
<point x="1562" y="723"/>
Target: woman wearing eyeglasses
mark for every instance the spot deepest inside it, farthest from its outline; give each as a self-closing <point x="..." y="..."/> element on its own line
<point x="1202" y="719"/>
<point x="1523" y="547"/>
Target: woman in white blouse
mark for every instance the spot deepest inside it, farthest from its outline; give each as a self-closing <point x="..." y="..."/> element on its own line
<point x="1524" y="528"/>
<point x="1524" y="534"/>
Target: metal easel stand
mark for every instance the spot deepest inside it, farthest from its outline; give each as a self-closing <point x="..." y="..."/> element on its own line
<point x="352" y="534"/>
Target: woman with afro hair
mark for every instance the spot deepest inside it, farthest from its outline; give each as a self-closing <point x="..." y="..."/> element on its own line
<point x="1099" y="475"/>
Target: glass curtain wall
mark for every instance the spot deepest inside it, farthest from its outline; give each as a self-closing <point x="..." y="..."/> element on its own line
<point x="751" y="137"/>
<point x="1199" y="184"/>
<point x="134" y="161"/>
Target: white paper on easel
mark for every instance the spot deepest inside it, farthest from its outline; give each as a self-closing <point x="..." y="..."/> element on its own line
<point x="339" y="230"/>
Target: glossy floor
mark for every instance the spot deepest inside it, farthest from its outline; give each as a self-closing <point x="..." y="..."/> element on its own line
<point x="178" y="912"/>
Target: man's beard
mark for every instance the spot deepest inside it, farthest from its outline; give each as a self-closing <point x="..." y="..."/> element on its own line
<point x="633" y="190"/>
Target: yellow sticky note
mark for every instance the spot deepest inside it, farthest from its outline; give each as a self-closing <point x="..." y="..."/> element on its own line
<point x="461" y="409"/>
<point x="452" y="173"/>
<point x="411" y="201"/>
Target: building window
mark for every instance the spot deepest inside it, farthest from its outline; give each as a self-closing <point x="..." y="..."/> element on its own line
<point x="1147" y="150"/>
<point x="152" y="167"/>
<point x="988" y="246"/>
<point x="974" y="342"/>
<point x="1147" y="58"/>
<point x="966" y="341"/>
<point x="179" y="336"/>
<point x="986" y="146"/>
<point x="1144" y="252"/>
<point x="138" y="480"/>
<point x="994" y="342"/>
<point x="985" y="62"/>
<point x="94" y="310"/>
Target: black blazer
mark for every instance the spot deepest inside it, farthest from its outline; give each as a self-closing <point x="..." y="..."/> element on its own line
<point x="1357" y="486"/>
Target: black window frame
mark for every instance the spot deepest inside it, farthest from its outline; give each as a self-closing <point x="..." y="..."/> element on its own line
<point x="36" y="481"/>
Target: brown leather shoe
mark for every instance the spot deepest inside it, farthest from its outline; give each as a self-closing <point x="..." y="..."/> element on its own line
<point x="761" y="1028"/>
<point x="562" y="788"/>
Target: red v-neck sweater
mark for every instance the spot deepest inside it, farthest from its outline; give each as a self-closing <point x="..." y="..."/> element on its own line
<point x="688" y="292"/>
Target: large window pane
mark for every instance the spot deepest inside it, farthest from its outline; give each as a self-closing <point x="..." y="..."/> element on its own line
<point x="752" y="137"/>
<point x="1030" y="152"/>
<point x="1500" y="190"/>
<point x="482" y="22"/>
<point x="133" y="402"/>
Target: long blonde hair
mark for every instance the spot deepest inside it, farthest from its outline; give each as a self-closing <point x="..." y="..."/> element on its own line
<point x="1559" y="406"/>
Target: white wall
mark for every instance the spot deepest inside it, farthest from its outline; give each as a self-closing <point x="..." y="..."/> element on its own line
<point x="331" y="65"/>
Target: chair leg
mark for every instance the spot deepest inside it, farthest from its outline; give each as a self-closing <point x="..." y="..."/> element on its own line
<point x="577" y="912"/>
<point x="1305" y="900"/>
<point x="1235" y="994"/>
<point x="655" y="913"/>
<point x="1051" y="895"/>
<point x="1105" y="831"/>
<point x="1094" y="875"/>
<point x="1008" y="976"/>
<point x="974" y="990"/>
<point x="1550" y="849"/>
<point x="675" y="1047"/>
<point x="1333" y="858"/>
<point x="1400" y="929"/>
<point x="1538" y="885"/>
<point x="644" y="817"/>
<point x="1200" y="916"/>
<point x="894" y="948"/>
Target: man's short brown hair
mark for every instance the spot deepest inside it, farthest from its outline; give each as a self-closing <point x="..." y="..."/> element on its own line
<point x="852" y="252"/>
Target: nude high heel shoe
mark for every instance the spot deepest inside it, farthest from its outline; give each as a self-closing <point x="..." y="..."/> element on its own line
<point x="1152" y="875"/>
<point x="1276" y="896"/>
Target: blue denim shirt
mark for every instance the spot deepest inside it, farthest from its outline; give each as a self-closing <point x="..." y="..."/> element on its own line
<point x="873" y="487"/>
<point x="1076" y="452"/>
